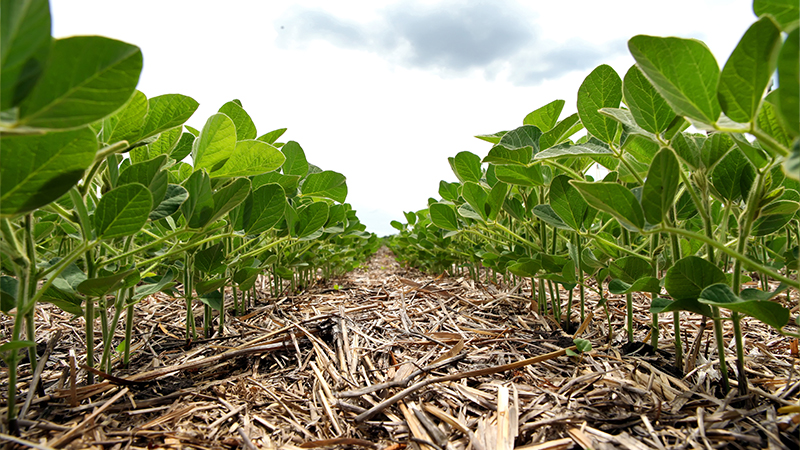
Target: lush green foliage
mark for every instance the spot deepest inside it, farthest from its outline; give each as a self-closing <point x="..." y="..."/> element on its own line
<point x="686" y="217"/>
<point x="98" y="208"/>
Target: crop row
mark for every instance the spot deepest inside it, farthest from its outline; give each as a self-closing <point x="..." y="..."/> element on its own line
<point x="686" y="216"/>
<point x="98" y="208"/>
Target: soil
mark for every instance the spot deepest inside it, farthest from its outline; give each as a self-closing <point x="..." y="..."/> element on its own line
<point x="387" y="358"/>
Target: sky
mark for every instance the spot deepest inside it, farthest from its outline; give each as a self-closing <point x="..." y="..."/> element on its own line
<point x="385" y="91"/>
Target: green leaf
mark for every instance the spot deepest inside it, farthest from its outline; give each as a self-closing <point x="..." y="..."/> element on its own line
<point x="733" y="176"/>
<point x="101" y="286"/>
<point x="721" y="295"/>
<point x="497" y="197"/>
<point x="747" y="72"/>
<point x="631" y="269"/>
<point x="208" y="293"/>
<point x="646" y="284"/>
<point x="326" y="184"/>
<point x="786" y="12"/>
<point x="16" y="345"/>
<point x="601" y="89"/>
<point x="86" y="78"/>
<point x="594" y="147"/>
<point x="567" y="202"/>
<point x="614" y="199"/>
<point x="122" y="211"/>
<point x="39" y="169"/>
<point x="476" y="196"/>
<point x="768" y="224"/>
<point x="199" y="207"/>
<point x="660" y="186"/>
<point x="583" y="345"/>
<point x="525" y="267"/>
<point x="183" y="148"/>
<point x="8" y="293"/>
<point x="561" y="132"/>
<point x="545" y="117"/>
<point x="687" y="146"/>
<point x="549" y="216"/>
<point x="520" y="175"/>
<point x="789" y="82"/>
<point x="215" y="144"/>
<point x="448" y="191"/>
<point x="690" y="275"/>
<point x="502" y="155"/>
<point x="127" y="123"/>
<point x="310" y="219"/>
<point x="683" y="71"/>
<point x="174" y="197"/>
<point x="24" y="48"/>
<point x="513" y="206"/>
<point x="149" y="174"/>
<point x="648" y="107"/>
<point x="443" y="215"/>
<point x="524" y="136"/>
<point x="296" y="162"/>
<point x="144" y="290"/>
<point x="466" y="166"/>
<point x="245" y="128"/>
<point x="289" y="183"/>
<point x="166" y="112"/>
<point x="663" y="305"/>
<point x="715" y="148"/>
<point x="264" y="208"/>
<point x="229" y="197"/>
<point x="272" y="136"/>
<point x="250" y="157"/>
<point x="210" y="260"/>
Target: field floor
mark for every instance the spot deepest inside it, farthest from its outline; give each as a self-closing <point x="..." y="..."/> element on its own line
<point x="389" y="358"/>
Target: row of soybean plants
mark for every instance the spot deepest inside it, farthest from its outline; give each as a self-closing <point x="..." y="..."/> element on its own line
<point x="98" y="208"/>
<point x="689" y="217"/>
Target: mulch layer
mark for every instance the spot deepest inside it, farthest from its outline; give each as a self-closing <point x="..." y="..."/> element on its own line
<point x="389" y="358"/>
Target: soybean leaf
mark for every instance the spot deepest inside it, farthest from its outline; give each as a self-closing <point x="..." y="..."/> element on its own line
<point x="549" y="216"/>
<point x="245" y="128"/>
<point x="122" y="211"/>
<point x="492" y="138"/>
<point x="561" y="132"/>
<point x="497" y="196"/>
<point x="661" y="186"/>
<point x="733" y="176"/>
<point x="264" y="208"/>
<point x="86" y="78"/>
<point x="502" y="155"/>
<point x="768" y="224"/>
<point x="690" y="275"/>
<point x="199" y="207"/>
<point x="688" y="146"/>
<point x="166" y="112"/>
<point x="648" y="107"/>
<point x="310" y="219"/>
<point x="601" y="89"/>
<point x="149" y="174"/>
<point x="296" y="163"/>
<point x="208" y="293"/>
<point x="525" y="267"/>
<point x="683" y="71"/>
<point x="443" y="215"/>
<point x="448" y="191"/>
<point x="747" y="72"/>
<point x="289" y="183"/>
<point x="8" y="293"/>
<point x="466" y="166"/>
<point x="631" y="268"/>
<point x="179" y="172"/>
<point x="646" y="284"/>
<point x="545" y="117"/>
<point x="714" y="148"/>
<point x="791" y="165"/>
<point x="210" y="260"/>
<point x="174" y="197"/>
<point x="38" y="169"/>
<point x="520" y="175"/>
<point x="101" y="286"/>
<point x="272" y="136"/>
<point x="786" y="12"/>
<point x="721" y="295"/>
<point x="127" y="123"/>
<point x="513" y="206"/>
<point x="215" y="144"/>
<point x="476" y="196"/>
<point x="789" y="81"/>
<point x="327" y="184"/>
<point x="524" y="136"/>
<point x="593" y="147"/>
<point x="229" y="197"/>
<point x="24" y="47"/>
<point x="757" y="294"/>
<point x="250" y="157"/>
<point x="567" y="202"/>
<point x="151" y="288"/>
<point x="629" y="126"/>
<point x="753" y="153"/>
<point x="614" y="199"/>
<point x="183" y="148"/>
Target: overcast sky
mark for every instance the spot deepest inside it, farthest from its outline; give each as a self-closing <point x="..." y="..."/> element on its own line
<point x="385" y="91"/>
